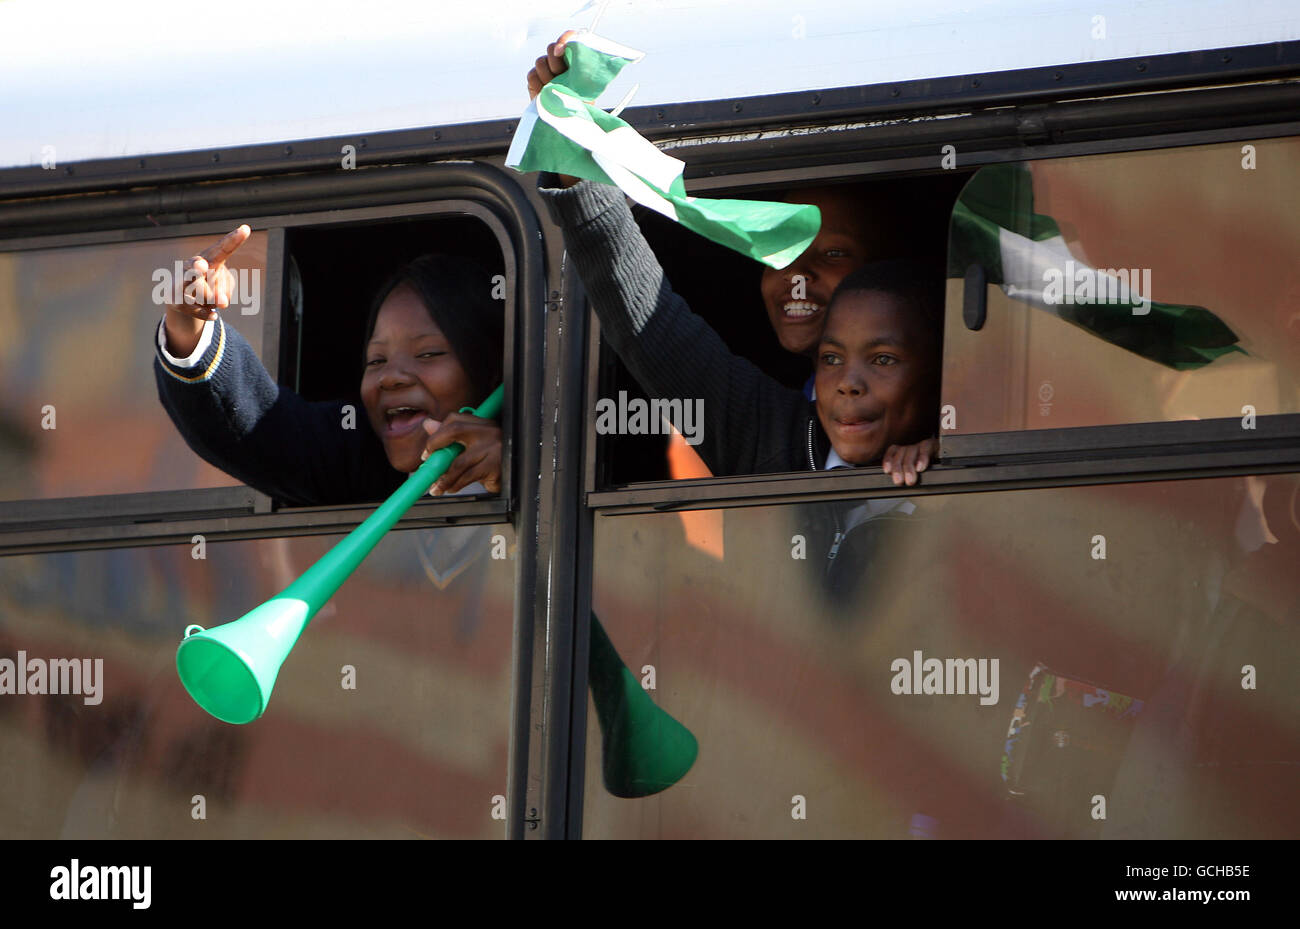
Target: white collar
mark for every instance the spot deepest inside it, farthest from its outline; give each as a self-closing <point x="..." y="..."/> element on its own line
<point x="833" y="460"/>
<point x="869" y="509"/>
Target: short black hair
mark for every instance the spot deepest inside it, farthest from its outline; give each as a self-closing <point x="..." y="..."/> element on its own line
<point x="458" y="295"/>
<point x="920" y="284"/>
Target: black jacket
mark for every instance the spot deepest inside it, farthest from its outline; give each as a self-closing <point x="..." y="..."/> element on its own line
<point x="234" y="416"/>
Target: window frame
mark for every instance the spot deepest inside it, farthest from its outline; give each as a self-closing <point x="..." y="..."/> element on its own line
<point x="340" y="196"/>
<point x="141" y="517"/>
<point x="1081" y="80"/>
<point x="1185" y="448"/>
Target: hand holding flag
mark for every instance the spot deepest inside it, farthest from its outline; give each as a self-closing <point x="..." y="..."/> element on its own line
<point x="563" y="131"/>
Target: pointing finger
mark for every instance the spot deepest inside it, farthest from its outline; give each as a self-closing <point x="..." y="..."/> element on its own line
<point x="230" y="242"/>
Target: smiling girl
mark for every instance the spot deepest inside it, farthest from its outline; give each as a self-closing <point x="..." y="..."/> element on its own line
<point x="433" y="344"/>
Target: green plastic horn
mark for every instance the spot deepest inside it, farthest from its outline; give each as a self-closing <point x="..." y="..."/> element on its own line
<point x="230" y="670"/>
<point x="643" y="749"/>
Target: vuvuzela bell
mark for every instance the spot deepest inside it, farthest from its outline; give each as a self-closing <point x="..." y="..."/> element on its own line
<point x="230" y="669"/>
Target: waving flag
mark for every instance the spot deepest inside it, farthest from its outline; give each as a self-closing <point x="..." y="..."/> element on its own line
<point x="994" y="225"/>
<point x="564" y="132"/>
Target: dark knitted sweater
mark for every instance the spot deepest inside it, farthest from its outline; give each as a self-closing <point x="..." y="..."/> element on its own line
<point x="234" y="416"/>
<point x="752" y="423"/>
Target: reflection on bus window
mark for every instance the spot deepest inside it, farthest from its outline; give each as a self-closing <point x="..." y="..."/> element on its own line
<point x="1128" y="288"/>
<point x="79" y="410"/>
<point x="391" y="717"/>
<point x="1110" y="661"/>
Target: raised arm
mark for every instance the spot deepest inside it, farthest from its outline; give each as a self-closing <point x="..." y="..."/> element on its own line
<point x="751" y="420"/>
<point x="232" y="414"/>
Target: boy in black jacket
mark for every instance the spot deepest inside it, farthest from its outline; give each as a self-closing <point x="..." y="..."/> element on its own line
<point x="877" y="367"/>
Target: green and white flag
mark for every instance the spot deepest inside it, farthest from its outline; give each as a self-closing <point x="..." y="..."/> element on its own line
<point x="563" y="131"/>
<point x="994" y="225"/>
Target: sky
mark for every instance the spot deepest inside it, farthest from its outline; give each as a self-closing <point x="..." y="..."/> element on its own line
<point x="90" y="79"/>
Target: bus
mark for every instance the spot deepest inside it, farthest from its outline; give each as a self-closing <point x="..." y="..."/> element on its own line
<point x="1076" y="624"/>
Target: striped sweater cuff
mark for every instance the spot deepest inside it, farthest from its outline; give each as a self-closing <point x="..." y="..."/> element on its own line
<point x="202" y="363"/>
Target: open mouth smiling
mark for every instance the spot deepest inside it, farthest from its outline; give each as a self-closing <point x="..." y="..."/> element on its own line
<point x="800" y="310"/>
<point x="402" y="420"/>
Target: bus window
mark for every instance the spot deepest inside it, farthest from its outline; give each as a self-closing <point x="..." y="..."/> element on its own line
<point x="326" y="437"/>
<point x="968" y="665"/>
<point x="79" y="411"/>
<point x="1126" y="288"/>
<point x="390" y="719"/>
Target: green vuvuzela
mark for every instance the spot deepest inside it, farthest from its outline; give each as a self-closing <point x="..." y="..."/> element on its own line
<point x="231" y="669"/>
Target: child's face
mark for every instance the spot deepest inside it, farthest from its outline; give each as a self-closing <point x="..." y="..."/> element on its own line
<point x="409" y="363"/>
<point x="877" y="378"/>
<point x="846" y="241"/>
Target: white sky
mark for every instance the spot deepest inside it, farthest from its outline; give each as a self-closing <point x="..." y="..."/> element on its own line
<point x="98" y="78"/>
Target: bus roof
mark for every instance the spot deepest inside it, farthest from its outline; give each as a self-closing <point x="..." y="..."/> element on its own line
<point x="83" y="79"/>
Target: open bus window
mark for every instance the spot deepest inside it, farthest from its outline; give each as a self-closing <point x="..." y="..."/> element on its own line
<point x="893" y="218"/>
<point x="79" y="410"/>
<point x="1126" y="288"/>
<point x="341" y="268"/>
<point x="385" y="327"/>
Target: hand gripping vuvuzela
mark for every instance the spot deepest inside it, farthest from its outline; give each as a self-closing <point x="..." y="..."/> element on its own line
<point x="230" y="669"/>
